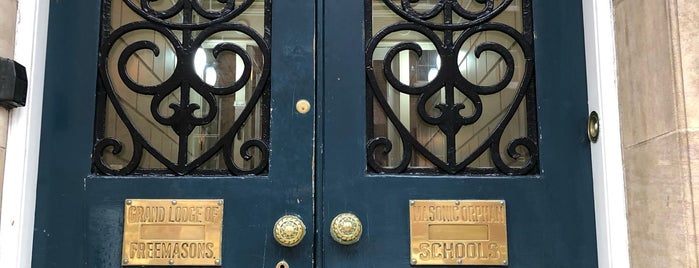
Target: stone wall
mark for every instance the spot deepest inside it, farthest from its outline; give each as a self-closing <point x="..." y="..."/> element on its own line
<point x="658" y="62"/>
<point x="8" y="15"/>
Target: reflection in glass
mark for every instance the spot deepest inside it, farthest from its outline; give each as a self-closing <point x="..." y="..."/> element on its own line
<point x="193" y="97"/>
<point x="474" y="101"/>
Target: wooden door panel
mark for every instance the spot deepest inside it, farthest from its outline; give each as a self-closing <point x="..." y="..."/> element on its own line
<point x="550" y="214"/>
<point x="80" y="210"/>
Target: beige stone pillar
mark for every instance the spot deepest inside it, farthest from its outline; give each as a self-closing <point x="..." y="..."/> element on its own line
<point x="658" y="69"/>
<point x="8" y="15"/>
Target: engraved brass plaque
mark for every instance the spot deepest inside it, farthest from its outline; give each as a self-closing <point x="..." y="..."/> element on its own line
<point x="172" y="232"/>
<point x="458" y="232"/>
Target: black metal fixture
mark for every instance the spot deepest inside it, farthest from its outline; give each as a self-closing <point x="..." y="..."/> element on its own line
<point x="13" y="84"/>
<point x="186" y="25"/>
<point x="448" y="25"/>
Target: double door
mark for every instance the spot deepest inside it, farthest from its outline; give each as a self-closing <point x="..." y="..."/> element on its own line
<point x="382" y="112"/>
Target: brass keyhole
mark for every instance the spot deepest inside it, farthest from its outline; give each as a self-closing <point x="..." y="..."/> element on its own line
<point x="282" y="264"/>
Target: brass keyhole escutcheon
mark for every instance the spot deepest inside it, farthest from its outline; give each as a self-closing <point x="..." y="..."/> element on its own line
<point x="303" y="106"/>
<point x="346" y="229"/>
<point x="593" y="127"/>
<point x="282" y="264"/>
<point x="289" y="230"/>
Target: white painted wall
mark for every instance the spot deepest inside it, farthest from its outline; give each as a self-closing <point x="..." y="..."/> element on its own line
<point x="19" y="192"/>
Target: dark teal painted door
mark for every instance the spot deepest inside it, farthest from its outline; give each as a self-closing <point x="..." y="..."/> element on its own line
<point x="550" y="214"/>
<point x="332" y="163"/>
<point x="80" y="211"/>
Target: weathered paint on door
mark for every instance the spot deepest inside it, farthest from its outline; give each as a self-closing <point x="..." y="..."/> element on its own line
<point x="79" y="221"/>
<point x="550" y="216"/>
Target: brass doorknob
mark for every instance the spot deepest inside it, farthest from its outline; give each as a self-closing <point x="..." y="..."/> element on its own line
<point x="289" y="230"/>
<point x="346" y="229"/>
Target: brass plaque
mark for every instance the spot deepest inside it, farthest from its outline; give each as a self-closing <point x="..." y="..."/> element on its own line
<point x="172" y="232"/>
<point x="458" y="232"/>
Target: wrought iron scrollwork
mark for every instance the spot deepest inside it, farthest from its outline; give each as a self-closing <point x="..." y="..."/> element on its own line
<point x="448" y="36"/>
<point x="185" y="37"/>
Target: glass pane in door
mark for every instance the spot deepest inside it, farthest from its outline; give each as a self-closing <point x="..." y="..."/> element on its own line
<point x="184" y="88"/>
<point x="452" y="86"/>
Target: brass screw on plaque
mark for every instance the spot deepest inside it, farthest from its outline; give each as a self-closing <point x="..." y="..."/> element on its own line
<point x="174" y="202"/>
<point x="128" y="201"/>
<point x="125" y="261"/>
<point x="504" y="262"/>
<point x="171" y="262"/>
<point x="459" y="261"/>
<point x="413" y="261"/>
<point x="457" y="202"/>
<point x="217" y="261"/>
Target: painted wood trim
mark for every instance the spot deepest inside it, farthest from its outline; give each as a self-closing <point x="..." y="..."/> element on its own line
<point x="608" y="173"/>
<point x="22" y="158"/>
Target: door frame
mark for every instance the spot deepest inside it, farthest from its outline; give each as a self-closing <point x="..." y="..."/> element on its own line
<point x="19" y="192"/>
<point x="607" y="166"/>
